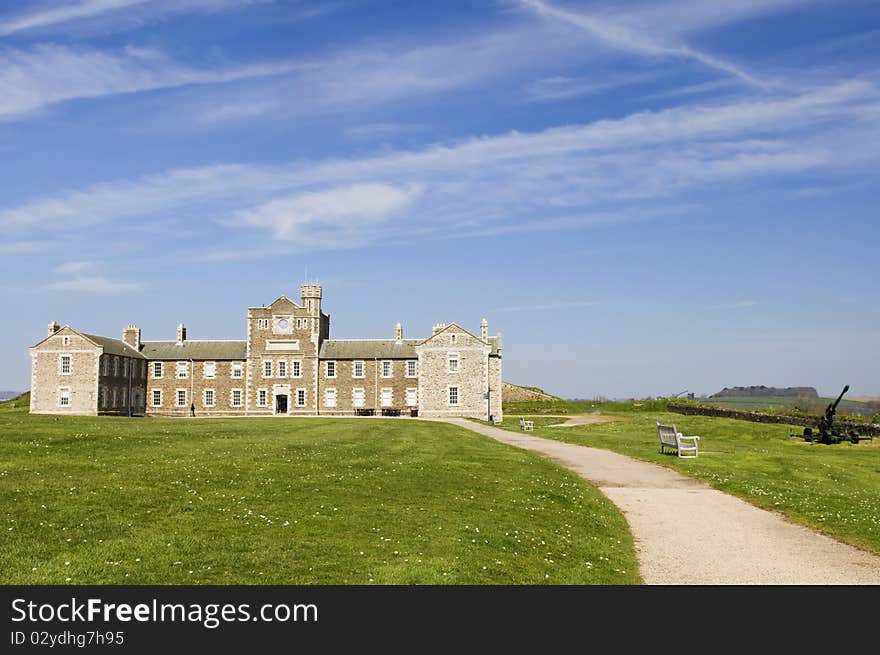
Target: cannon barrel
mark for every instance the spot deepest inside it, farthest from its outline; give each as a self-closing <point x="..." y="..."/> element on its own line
<point x="833" y="406"/>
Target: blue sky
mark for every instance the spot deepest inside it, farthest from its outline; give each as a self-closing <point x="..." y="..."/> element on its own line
<point x="644" y="198"/>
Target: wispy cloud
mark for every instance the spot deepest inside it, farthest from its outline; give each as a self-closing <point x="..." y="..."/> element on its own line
<point x="236" y="111"/>
<point x="336" y="216"/>
<point x="620" y="36"/>
<point x="573" y="304"/>
<point x="47" y="74"/>
<point x="560" y="87"/>
<point x="81" y="277"/>
<point x="131" y="11"/>
<point x="561" y="178"/>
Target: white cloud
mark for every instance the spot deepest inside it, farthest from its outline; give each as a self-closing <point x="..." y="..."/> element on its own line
<point x="560" y="87"/>
<point x="236" y="111"/>
<point x="59" y="15"/>
<point x="47" y="74"/>
<point x="81" y="277"/>
<point x="620" y="36"/>
<point x="335" y="216"/>
<point x="562" y="178"/>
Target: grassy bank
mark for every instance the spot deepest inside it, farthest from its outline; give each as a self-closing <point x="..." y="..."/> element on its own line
<point x="831" y="488"/>
<point x="292" y="501"/>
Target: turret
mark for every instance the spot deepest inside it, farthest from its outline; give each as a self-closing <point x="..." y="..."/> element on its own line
<point x="181" y="334"/>
<point x="132" y="336"/>
<point x="311" y="298"/>
<point x="53" y="328"/>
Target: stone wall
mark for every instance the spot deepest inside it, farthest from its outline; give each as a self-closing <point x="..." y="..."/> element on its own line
<point x="471" y="379"/>
<point x="47" y="378"/>
<point x="122" y="386"/>
<point x="867" y="429"/>
<point x="372" y="383"/>
<point x="194" y="386"/>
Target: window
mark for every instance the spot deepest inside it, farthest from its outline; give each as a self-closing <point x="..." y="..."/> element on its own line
<point x="124" y="397"/>
<point x="115" y="366"/>
<point x="331" y="369"/>
<point x="182" y="370"/>
<point x="65" y="364"/>
<point x="411" y="368"/>
<point x="282" y="369"/>
<point x="358" y="369"/>
<point x="261" y="398"/>
<point x="387" y="397"/>
<point x="105" y="365"/>
<point x="358" y="397"/>
<point x="386" y="369"/>
<point x="64" y="396"/>
<point x="299" y="323"/>
<point x="267" y="368"/>
<point x="453" y="338"/>
<point x="412" y="398"/>
<point x="283" y="324"/>
<point x="124" y="370"/>
<point x="157" y="398"/>
<point x="263" y="323"/>
<point x="453" y="363"/>
<point x="209" y="397"/>
<point x="300" y="397"/>
<point x="104" y="397"/>
<point x="181" y="397"/>
<point x="236" y="397"/>
<point x="453" y="396"/>
<point x="330" y="397"/>
<point x="114" y="398"/>
<point x="157" y="370"/>
<point x="236" y="369"/>
<point x="210" y="369"/>
<point x="65" y="341"/>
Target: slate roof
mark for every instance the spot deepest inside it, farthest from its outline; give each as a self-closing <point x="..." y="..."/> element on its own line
<point x="376" y="348"/>
<point x="201" y="350"/>
<point x="113" y="346"/>
<point x="368" y="349"/>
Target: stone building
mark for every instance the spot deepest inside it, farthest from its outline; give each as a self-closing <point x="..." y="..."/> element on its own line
<point x="287" y="366"/>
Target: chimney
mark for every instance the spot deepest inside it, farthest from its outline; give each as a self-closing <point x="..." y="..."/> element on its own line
<point x="53" y="327"/>
<point x="484" y="330"/>
<point x="398" y="332"/>
<point x="438" y="328"/>
<point x="132" y="336"/>
<point x="181" y="334"/>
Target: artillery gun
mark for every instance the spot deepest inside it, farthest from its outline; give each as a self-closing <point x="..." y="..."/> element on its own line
<point x="828" y="432"/>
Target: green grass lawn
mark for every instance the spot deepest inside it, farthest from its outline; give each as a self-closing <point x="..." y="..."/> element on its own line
<point x="835" y="489"/>
<point x="293" y="501"/>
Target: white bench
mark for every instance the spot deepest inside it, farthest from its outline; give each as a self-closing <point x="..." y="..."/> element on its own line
<point x="525" y="425"/>
<point x="672" y="438"/>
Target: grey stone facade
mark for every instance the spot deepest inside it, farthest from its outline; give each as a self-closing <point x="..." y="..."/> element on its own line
<point x="287" y="366"/>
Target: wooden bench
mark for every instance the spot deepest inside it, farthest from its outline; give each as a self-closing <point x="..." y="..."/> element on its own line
<point x="525" y="425"/>
<point x="675" y="440"/>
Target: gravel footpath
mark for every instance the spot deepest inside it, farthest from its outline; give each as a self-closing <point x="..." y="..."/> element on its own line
<point x="688" y="533"/>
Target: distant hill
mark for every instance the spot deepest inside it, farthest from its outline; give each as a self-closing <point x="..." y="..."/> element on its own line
<point x="9" y="395"/>
<point x="765" y="392"/>
<point x="514" y="393"/>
